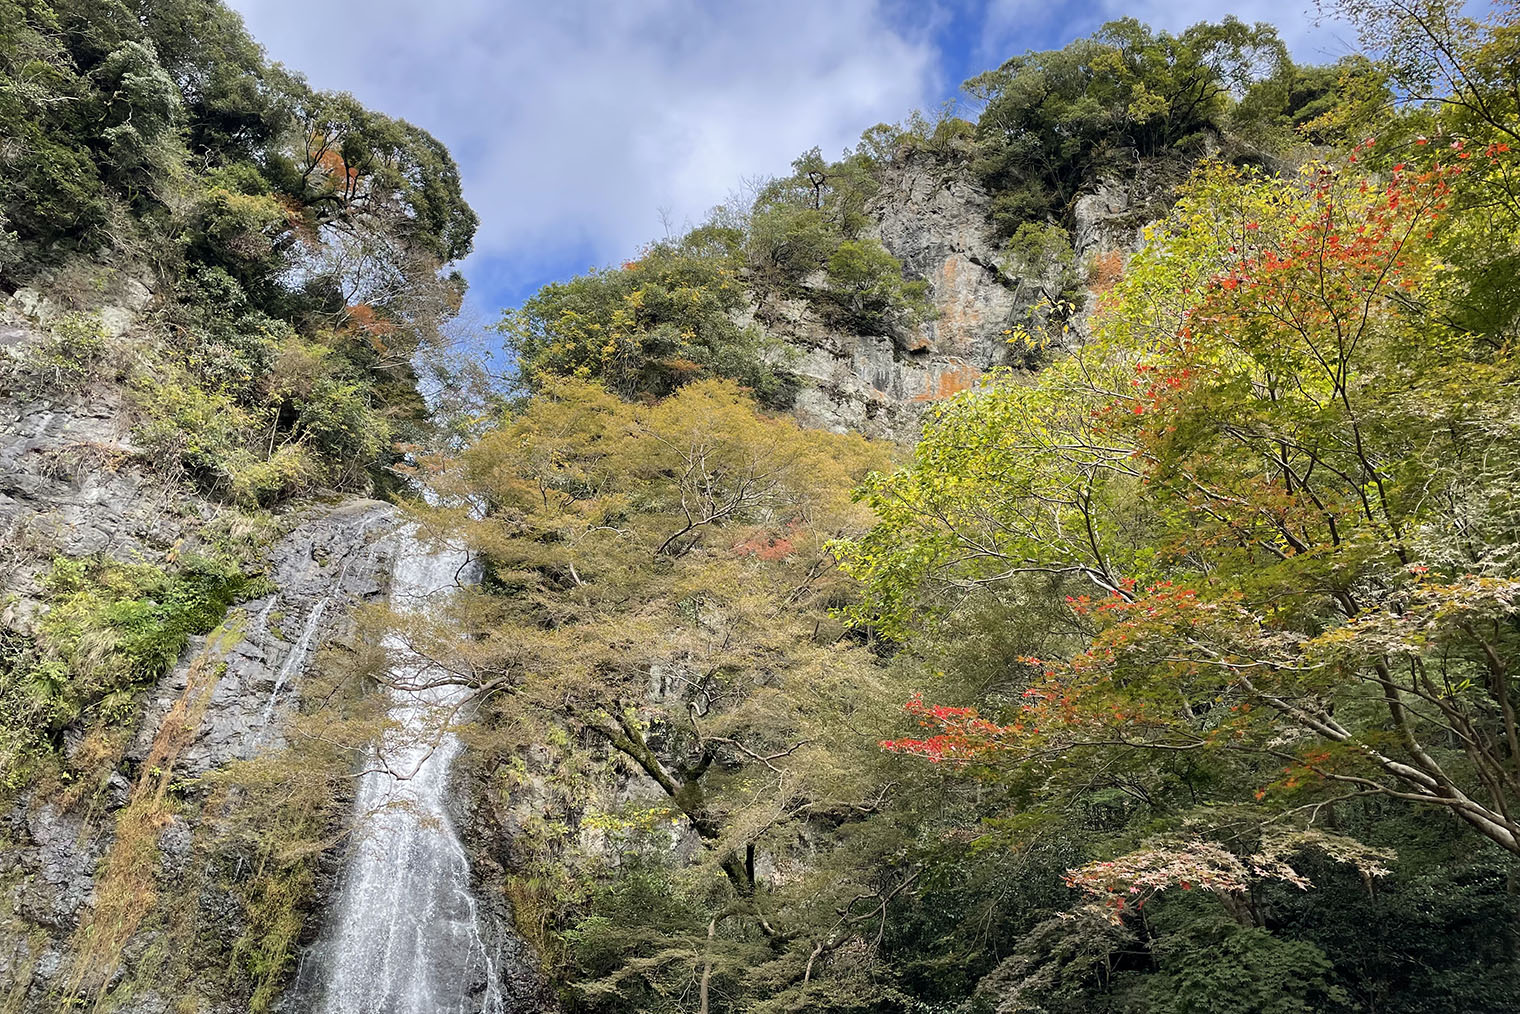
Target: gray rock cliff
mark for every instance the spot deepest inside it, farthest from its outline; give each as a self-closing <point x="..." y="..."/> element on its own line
<point x="934" y="216"/>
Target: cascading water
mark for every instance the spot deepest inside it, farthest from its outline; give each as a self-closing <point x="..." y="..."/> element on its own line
<point x="407" y="936"/>
<point x="300" y="652"/>
<point x="295" y="662"/>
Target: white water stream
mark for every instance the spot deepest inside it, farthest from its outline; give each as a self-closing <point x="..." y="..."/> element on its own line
<point x="295" y="662"/>
<point x="300" y="652"/>
<point x="407" y="933"/>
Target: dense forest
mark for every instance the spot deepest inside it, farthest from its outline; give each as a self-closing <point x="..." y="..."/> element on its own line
<point x="1173" y="670"/>
<point x="1201" y="635"/>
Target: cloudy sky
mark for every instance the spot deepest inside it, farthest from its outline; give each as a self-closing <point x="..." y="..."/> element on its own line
<point x="582" y="126"/>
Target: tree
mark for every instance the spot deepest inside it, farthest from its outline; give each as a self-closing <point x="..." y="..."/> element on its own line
<point x="683" y="544"/>
<point x="867" y="285"/>
<point x="1051" y="120"/>
<point x="1437" y="57"/>
<point x="1268" y="515"/>
<point x="657" y="323"/>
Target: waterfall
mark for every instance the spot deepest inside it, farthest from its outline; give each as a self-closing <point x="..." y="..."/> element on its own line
<point x="407" y="936"/>
<point x="300" y="652"/>
<point x="295" y="662"/>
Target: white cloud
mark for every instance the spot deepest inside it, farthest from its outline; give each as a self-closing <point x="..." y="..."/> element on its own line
<point x="1008" y="20"/>
<point x="575" y="121"/>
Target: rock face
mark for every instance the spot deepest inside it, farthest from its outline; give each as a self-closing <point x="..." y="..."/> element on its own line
<point x="933" y="215"/>
<point x="236" y="686"/>
<point x="68" y="485"/>
<point x="321" y="571"/>
<point x="869" y="384"/>
<point x="72" y="484"/>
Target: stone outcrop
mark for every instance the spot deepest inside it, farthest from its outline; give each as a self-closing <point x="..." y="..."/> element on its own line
<point x="328" y="564"/>
<point x="934" y="216"/>
<point x="931" y="214"/>
<point x="73" y="484"/>
<point x="226" y="700"/>
<point x="69" y="484"/>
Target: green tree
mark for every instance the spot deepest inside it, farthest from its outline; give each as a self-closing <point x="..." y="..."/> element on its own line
<point x="1051" y="121"/>
<point x="868" y="288"/>
<point x="682" y="542"/>
<point x="657" y="323"/>
<point x="1275" y="443"/>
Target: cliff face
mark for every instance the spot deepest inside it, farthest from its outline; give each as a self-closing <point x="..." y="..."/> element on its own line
<point x="226" y="701"/>
<point x="932" y="215"/>
<point x="73" y="487"/>
<point x="61" y="484"/>
<point x="185" y="857"/>
<point x="169" y="805"/>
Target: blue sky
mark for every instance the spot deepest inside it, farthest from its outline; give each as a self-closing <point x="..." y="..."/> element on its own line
<point x="583" y="126"/>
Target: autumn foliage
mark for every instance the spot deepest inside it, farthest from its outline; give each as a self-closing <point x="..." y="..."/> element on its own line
<point x="1252" y="473"/>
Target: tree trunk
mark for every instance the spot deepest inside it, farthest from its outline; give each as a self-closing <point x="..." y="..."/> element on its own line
<point x="712" y="928"/>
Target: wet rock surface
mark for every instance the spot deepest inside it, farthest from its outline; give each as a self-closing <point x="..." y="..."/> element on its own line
<point x="324" y="568"/>
<point x="330" y="562"/>
<point x="409" y="928"/>
<point x="72" y="484"/>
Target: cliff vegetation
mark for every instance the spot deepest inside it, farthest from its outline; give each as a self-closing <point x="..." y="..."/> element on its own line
<point x="1170" y="666"/>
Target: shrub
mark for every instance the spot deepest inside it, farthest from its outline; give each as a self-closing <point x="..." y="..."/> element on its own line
<point x="111" y="629"/>
<point x="185" y="429"/>
<point x="313" y="424"/>
<point x="286" y="473"/>
<point x="1037" y="260"/>
<point x="226" y="343"/>
<point x="789" y="242"/>
<point x="64" y="359"/>
<point x="328" y="411"/>
<point x="868" y="292"/>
